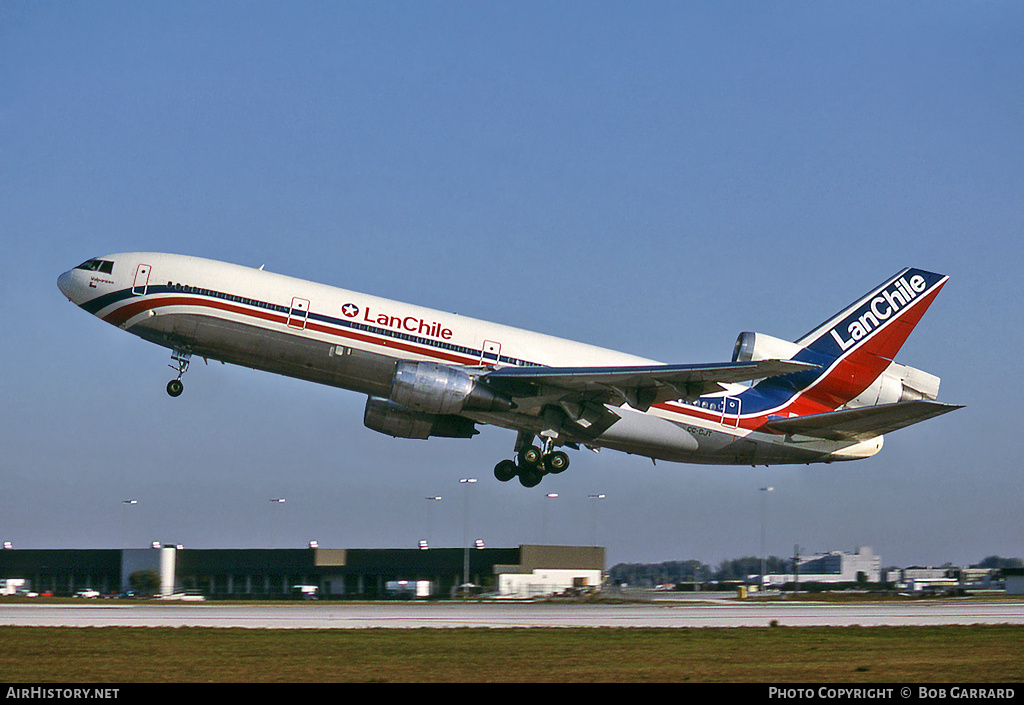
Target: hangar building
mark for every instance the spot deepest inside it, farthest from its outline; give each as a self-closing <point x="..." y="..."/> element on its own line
<point x="526" y="571"/>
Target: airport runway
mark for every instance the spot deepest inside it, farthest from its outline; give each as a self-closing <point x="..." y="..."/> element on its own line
<point x="725" y="613"/>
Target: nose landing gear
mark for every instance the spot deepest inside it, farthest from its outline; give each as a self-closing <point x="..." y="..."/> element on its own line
<point x="175" y="386"/>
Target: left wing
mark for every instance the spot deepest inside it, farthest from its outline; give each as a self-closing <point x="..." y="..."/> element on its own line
<point x="575" y="401"/>
<point x="638" y="386"/>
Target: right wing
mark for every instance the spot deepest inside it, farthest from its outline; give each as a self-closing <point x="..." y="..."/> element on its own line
<point x="861" y="423"/>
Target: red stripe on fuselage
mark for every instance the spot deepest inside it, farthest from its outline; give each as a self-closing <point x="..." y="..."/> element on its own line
<point x="120" y="315"/>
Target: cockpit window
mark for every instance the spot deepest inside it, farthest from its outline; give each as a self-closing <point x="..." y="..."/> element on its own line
<point x="97" y="265"/>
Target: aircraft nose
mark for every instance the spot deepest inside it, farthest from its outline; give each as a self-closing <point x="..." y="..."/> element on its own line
<point x="66" y="284"/>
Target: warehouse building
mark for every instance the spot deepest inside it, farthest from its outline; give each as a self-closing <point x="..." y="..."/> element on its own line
<point x="1014" y="578"/>
<point x="864" y="566"/>
<point x="833" y="567"/>
<point x="526" y="571"/>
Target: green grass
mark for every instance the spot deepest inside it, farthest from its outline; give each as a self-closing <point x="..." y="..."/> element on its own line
<point x="963" y="654"/>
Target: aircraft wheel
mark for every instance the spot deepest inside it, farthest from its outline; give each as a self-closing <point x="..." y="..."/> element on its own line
<point x="505" y="470"/>
<point x="175" y="387"/>
<point x="530" y="457"/>
<point x="556" y="462"/>
<point x="529" y="477"/>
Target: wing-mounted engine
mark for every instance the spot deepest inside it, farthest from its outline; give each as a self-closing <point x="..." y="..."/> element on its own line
<point x="389" y="418"/>
<point x="442" y="389"/>
<point x="426" y="399"/>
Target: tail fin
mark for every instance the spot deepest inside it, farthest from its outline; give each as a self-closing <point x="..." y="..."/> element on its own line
<point x="879" y="322"/>
<point x="856" y="347"/>
<point x="853" y="352"/>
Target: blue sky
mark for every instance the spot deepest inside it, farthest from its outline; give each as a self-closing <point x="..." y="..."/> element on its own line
<point x="651" y="177"/>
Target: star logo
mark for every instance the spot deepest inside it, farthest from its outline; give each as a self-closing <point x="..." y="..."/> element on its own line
<point x="350" y="310"/>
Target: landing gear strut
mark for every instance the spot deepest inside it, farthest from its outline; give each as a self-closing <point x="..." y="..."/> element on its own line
<point x="532" y="463"/>
<point x="175" y="386"/>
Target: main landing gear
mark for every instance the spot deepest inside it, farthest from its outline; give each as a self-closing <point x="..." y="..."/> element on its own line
<point x="532" y="463"/>
<point x="175" y="386"/>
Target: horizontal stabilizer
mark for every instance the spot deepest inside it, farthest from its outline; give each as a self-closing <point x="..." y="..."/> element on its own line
<point x="861" y="423"/>
<point x="639" y="386"/>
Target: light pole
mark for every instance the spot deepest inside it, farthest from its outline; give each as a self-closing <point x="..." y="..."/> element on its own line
<point x="125" y="503"/>
<point x="466" y="482"/>
<point x="425" y="543"/>
<point x="796" y="569"/>
<point x="593" y="517"/>
<point x="276" y="500"/>
<point x="764" y="559"/>
<point x="544" y="525"/>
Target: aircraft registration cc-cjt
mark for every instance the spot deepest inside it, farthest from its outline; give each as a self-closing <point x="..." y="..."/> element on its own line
<point x="829" y="396"/>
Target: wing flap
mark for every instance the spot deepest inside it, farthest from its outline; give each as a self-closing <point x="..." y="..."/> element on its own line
<point x="862" y="423"/>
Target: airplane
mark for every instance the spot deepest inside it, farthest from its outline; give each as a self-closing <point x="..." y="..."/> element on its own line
<point x="829" y="396"/>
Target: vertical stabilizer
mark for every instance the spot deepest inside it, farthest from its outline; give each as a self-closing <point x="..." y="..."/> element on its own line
<point x="879" y="322"/>
<point x="854" y="350"/>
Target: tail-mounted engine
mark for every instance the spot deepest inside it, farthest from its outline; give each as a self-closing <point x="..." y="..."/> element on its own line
<point x="897" y="383"/>
<point x="751" y="347"/>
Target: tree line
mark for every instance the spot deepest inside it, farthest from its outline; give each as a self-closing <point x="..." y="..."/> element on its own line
<point x="696" y="571"/>
<point x="734" y="569"/>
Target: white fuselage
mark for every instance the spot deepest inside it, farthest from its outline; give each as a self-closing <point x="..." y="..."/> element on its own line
<point x="350" y="340"/>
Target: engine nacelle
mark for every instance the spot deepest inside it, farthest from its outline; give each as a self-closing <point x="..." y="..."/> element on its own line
<point x="440" y="389"/>
<point x="898" y="383"/>
<point x="751" y="347"/>
<point x="392" y="419"/>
